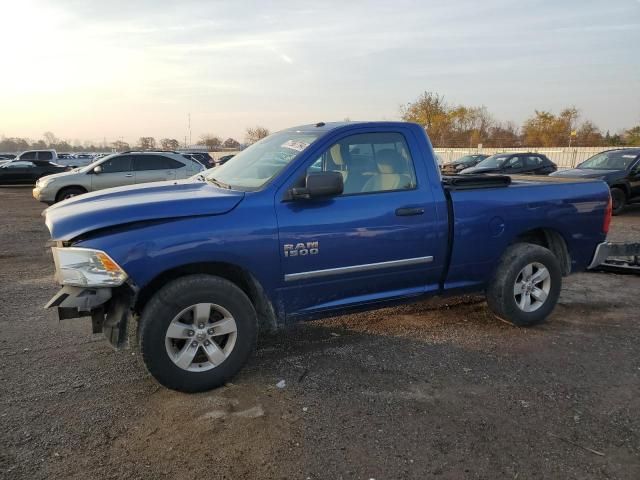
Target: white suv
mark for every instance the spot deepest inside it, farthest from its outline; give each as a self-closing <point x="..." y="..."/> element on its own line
<point x="119" y="169"/>
<point x="51" y="156"/>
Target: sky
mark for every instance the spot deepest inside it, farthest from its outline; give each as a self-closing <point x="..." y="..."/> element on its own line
<point x="89" y="70"/>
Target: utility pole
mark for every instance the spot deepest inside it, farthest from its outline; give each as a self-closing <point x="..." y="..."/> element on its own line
<point x="189" y="128"/>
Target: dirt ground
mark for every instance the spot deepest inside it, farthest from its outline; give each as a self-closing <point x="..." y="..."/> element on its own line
<point x="436" y="389"/>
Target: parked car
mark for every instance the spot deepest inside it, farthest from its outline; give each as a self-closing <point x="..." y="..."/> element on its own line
<point x="224" y="159"/>
<point x="620" y="168"/>
<point x="313" y="221"/>
<point x="7" y="156"/>
<point x="27" y="172"/>
<point x="199" y="155"/>
<point x="460" y="164"/>
<point x="514" y="164"/>
<point x="114" y="171"/>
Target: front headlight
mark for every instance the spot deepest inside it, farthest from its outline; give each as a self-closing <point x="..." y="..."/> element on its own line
<point x="85" y="267"/>
<point x="43" y="182"/>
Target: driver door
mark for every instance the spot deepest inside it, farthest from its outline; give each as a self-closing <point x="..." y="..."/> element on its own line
<point x="116" y="172"/>
<point x="377" y="241"/>
<point x="515" y="166"/>
<point x="18" y="172"/>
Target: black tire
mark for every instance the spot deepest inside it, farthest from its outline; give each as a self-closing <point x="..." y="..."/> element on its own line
<point x="500" y="292"/>
<point x="177" y="296"/>
<point x="619" y="200"/>
<point x="69" y="192"/>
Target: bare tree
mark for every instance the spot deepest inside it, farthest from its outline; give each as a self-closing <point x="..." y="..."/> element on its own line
<point x="255" y="134"/>
<point x="120" y="146"/>
<point x="50" y="139"/>
<point x="169" y="144"/>
<point x="210" y="141"/>
<point x="231" y="143"/>
<point x="146" y="143"/>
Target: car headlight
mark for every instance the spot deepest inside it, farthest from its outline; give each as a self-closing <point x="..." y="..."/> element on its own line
<point x="43" y="182"/>
<point x="85" y="267"/>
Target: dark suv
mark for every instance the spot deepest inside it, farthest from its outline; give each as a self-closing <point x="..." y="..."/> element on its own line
<point x="620" y="168"/>
<point x="514" y="164"/>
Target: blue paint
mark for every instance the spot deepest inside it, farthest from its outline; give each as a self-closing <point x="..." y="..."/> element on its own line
<point x="150" y="229"/>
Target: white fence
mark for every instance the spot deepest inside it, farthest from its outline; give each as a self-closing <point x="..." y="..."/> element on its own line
<point x="564" y="157"/>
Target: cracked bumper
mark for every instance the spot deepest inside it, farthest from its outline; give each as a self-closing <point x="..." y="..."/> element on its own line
<point x="109" y="309"/>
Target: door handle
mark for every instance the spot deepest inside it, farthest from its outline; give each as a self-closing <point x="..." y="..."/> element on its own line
<point x="408" y="211"/>
<point x="128" y="175"/>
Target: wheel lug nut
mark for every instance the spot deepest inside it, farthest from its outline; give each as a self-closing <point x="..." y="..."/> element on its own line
<point x="210" y="331"/>
<point x="190" y="333"/>
<point x="201" y="326"/>
<point x="194" y="344"/>
<point x="206" y="344"/>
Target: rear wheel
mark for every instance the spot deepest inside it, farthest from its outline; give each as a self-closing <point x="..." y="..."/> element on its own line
<point x="618" y="200"/>
<point x="70" y="192"/>
<point x="197" y="332"/>
<point x="526" y="285"/>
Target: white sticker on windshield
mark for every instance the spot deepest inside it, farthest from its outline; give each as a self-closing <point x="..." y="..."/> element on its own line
<point x="628" y="156"/>
<point x="293" y="145"/>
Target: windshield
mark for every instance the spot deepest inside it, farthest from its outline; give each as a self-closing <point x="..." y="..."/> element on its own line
<point x="495" y="161"/>
<point x="257" y="165"/>
<point x="614" y="160"/>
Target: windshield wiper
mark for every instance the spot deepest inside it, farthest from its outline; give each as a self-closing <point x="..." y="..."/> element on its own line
<point x="218" y="183"/>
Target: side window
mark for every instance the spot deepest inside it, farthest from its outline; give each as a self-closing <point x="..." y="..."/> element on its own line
<point x="171" y="164"/>
<point x="371" y="162"/>
<point x="154" y="162"/>
<point x="28" y="156"/>
<point x="45" y="156"/>
<point x="20" y="164"/>
<point x="117" y="164"/>
<point x="515" y="162"/>
<point x="534" y="162"/>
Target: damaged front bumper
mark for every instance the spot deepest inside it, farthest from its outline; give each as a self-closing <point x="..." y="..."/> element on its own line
<point x="109" y="309"/>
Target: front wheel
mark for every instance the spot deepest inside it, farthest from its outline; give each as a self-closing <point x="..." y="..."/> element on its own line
<point x="618" y="200"/>
<point x="526" y="285"/>
<point x="197" y="332"/>
<point x="69" y="192"/>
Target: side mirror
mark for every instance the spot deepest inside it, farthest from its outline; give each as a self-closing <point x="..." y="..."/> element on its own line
<point x="98" y="169"/>
<point x="320" y="185"/>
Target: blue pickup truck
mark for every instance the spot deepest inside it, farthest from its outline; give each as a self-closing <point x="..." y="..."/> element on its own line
<point x="312" y="221"/>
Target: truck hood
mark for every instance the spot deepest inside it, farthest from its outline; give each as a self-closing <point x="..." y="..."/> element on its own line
<point x="584" y="173"/>
<point x="138" y="203"/>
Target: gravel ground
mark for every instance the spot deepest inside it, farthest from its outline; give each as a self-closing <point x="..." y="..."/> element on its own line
<point x="435" y="389"/>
